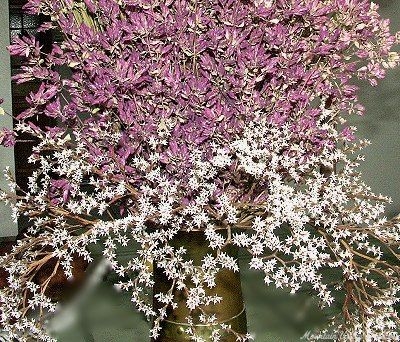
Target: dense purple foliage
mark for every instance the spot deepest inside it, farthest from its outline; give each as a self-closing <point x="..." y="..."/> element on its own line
<point x="178" y="76"/>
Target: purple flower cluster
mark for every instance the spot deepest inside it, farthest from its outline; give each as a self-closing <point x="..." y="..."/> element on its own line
<point x="7" y="137"/>
<point x="187" y="75"/>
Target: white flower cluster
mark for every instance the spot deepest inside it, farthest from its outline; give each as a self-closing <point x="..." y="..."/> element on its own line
<point x="295" y="220"/>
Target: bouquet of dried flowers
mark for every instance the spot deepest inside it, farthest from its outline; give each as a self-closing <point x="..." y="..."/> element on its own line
<point x="220" y="116"/>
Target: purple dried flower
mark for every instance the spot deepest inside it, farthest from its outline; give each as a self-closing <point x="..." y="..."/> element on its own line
<point x="60" y="190"/>
<point x="348" y="134"/>
<point x="194" y="77"/>
<point x="7" y="137"/>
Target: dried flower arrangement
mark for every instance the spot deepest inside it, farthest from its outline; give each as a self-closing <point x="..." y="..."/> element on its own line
<point x="216" y="116"/>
